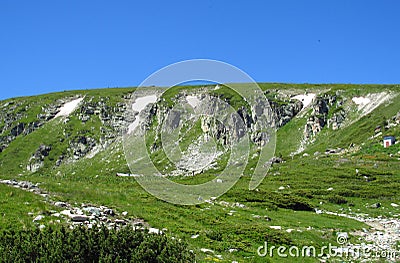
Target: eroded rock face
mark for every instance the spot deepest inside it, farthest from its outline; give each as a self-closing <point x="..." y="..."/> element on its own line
<point x="49" y="112"/>
<point x="37" y="160"/>
<point x="12" y="115"/>
<point x="313" y="127"/>
<point x="320" y="112"/>
<point x="286" y="112"/>
<point x="81" y="146"/>
<point x="112" y="117"/>
<point x="251" y="120"/>
<point x="337" y="120"/>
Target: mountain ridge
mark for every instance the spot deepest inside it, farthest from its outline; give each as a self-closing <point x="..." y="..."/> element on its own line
<point x="75" y="158"/>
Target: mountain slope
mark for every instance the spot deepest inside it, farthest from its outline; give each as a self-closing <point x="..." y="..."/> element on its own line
<point x="330" y="153"/>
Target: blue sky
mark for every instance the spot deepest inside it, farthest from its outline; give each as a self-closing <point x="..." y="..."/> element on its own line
<point x="60" y="45"/>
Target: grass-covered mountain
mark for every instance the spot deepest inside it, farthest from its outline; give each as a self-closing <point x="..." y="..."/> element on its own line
<point x="329" y="158"/>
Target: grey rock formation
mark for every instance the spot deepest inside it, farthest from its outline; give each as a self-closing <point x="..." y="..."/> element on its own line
<point x="336" y="121"/>
<point x="319" y="116"/>
<point x="14" y="126"/>
<point x="37" y="159"/>
<point x="81" y="146"/>
<point x="285" y="112"/>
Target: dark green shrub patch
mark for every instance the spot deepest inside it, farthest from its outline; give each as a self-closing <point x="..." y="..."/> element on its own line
<point x="90" y="245"/>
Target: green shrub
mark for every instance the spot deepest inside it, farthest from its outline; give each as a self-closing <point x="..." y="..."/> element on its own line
<point x="337" y="199"/>
<point x="90" y="245"/>
<point x="287" y="201"/>
<point x="214" y="235"/>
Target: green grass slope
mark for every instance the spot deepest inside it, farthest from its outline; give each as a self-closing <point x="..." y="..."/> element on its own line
<point x="224" y="226"/>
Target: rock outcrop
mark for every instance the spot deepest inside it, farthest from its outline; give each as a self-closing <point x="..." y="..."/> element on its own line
<point x="319" y="117"/>
<point x="13" y="114"/>
<point x="285" y="112"/>
<point x="37" y="160"/>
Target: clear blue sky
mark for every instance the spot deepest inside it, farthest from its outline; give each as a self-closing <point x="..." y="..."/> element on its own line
<point x="58" y="45"/>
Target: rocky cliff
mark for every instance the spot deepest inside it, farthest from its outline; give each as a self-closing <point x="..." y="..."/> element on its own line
<point x="99" y="121"/>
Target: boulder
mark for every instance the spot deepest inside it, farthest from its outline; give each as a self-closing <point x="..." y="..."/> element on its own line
<point x="79" y="218"/>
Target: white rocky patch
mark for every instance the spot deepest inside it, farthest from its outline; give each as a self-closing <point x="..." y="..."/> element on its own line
<point x="361" y="101"/>
<point x="370" y="102"/>
<point x="306" y="99"/>
<point x="142" y="102"/>
<point x="193" y="101"/>
<point x="200" y="156"/>
<point x="68" y="108"/>
<point x="138" y="106"/>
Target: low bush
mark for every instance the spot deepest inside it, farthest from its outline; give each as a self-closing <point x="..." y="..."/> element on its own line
<point x="337" y="199"/>
<point x="61" y="244"/>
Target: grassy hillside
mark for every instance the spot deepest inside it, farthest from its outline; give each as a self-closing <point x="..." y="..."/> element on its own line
<point x="236" y="224"/>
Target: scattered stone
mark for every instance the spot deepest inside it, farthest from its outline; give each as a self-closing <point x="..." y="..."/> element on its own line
<point x="109" y="211"/>
<point x="38" y="218"/>
<point x="318" y="211"/>
<point x="206" y="250"/>
<point x="79" y="218"/>
<point x="224" y="203"/>
<point x="276" y="227"/>
<point x="238" y="205"/>
<point x="60" y="204"/>
<point x="92" y="210"/>
<point x="376" y="205"/>
<point x="120" y="221"/>
<point x="66" y="212"/>
<point x="267" y="218"/>
<point x="155" y="231"/>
